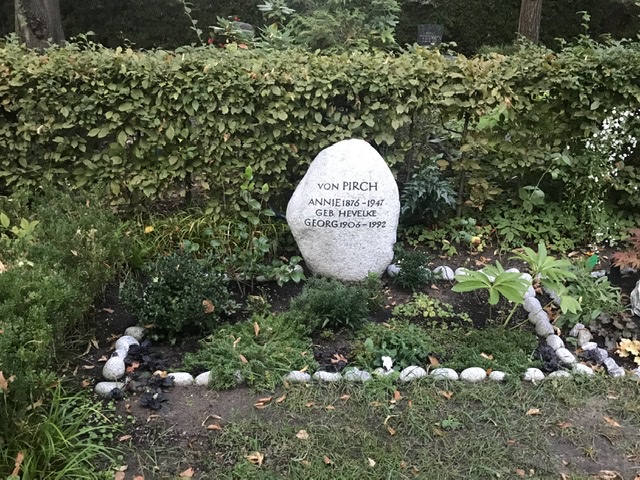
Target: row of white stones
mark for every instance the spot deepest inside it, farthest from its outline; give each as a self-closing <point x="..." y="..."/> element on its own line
<point x="114" y="369"/>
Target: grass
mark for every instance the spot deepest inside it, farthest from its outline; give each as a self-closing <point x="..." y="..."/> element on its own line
<point x="434" y="430"/>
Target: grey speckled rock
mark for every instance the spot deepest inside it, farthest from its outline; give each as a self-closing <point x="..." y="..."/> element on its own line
<point x="532" y="305"/>
<point x="533" y="375"/>
<point x="136" y="332"/>
<point x="473" y="374"/>
<point x="635" y="299"/>
<point x="560" y="374"/>
<point x="202" y="380"/>
<point x="124" y="342"/>
<point x="580" y="369"/>
<point x="589" y="346"/>
<point x="357" y="375"/>
<point x="565" y="357"/>
<point x="601" y="355"/>
<point x="122" y="353"/>
<point x="114" y="368"/>
<point x="584" y="336"/>
<point x="296" y="376"/>
<point x="327" y="376"/>
<point x="531" y="292"/>
<point x="412" y="372"/>
<point x="555" y="342"/>
<point x="104" y="388"/>
<point x="544" y="329"/>
<point x="446" y="273"/>
<point x="344" y="212"/>
<point x="447" y="373"/>
<point x="526" y="277"/>
<point x="616" y="372"/>
<point x="512" y="270"/>
<point x="497" y="376"/>
<point x="576" y="328"/>
<point x="610" y="364"/>
<point x="182" y="379"/>
<point x="539" y="316"/>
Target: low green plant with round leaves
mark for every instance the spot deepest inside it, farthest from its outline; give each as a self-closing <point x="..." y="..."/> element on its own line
<point x="329" y="303"/>
<point x="431" y="312"/>
<point x="181" y="294"/>
<point x="405" y="343"/>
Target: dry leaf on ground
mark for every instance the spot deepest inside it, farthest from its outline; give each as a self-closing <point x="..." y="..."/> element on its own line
<point x="188" y="473"/>
<point x="18" y="464"/>
<point x="119" y="476"/>
<point x="445" y="394"/>
<point x="611" y="422"/>
<point x="124" y="438"/>
<point x="302" y="435"/>
<point x="533" y="411"/>
<point x="256" y="458"/>
<point x="214" y="426"/>
<point x="371" y="462"/>
<point x="327" y="460"/>
<point x="281" y="399"/>
<point x="256" y="328"/>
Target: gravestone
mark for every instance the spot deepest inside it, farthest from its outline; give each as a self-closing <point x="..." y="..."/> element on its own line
<point x="344" y="212"/>
<point x="430" y="35"/>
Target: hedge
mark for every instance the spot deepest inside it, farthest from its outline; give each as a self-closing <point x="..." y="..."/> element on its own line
<point x="138" y="122"/>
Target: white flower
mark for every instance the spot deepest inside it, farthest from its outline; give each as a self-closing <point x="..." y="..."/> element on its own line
<point x="387" y="363"/>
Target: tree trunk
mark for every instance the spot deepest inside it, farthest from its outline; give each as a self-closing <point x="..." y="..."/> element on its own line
<point x="38" y="23"/>
<point x="530" y="15"/>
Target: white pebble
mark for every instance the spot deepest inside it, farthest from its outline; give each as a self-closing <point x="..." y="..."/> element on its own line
<point x="555" y="342"/>
<point x="559" y="374"/>
<point x="181" y="379"/>
<point x="446" y="273"/>
<point x="473" y="374"/>
<point x="202" y="380"/>
<point x="114" y="368"/>
<point x="447" y="373"/>
<point x="327" y="376"/>
<point x="576" y="328"/>
<point x="526" y="277"/>
<point x="121" y="353"/>
<point x="544" y="328"/>
<point x="533" y="375"/>
<point x="461" y="271"/>
<point x="104" y="388"/>
<point x="539" y="316"/>
<point x="532" y="305"/>
<point x="589" y="346"/>
<point x="135" y="332"/>
<point x="393" y="270"/>
<point x="497" y="376"/>
<point x="616" y="372"/>
<point x="383" y="372"/>
<point x="584" y="336"/>
<point x="124" y="342"/>
<point x="357" y="375"/>
<point x="580" y="369"/>
<point x="412" y="372"/>
<point x="530" y="293"/>
<point x="598" y="273"/>
<point x="566" y="357"/>
<point x="512" y="270"/>
<point x="296" y="376"/>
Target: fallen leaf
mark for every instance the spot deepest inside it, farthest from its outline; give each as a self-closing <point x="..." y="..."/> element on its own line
<point x="306" y="463"/>
<point x="88" y="367"/>
<point x="148" y="229"/>
<point x="434" y="287"/>
<point x="329" y="407"/>
<point x="152" y="417"/>
<point x="256" y="328"/>
<point x="533" y="411"/>
<point x="520" y="472"/>
<point x="127" y="407"/>
<point x="103" y="358"/>
<point x="309" y="404"/>
<point x="445" y="394"/>
<point x="486" y="356"/>
<point x="609" y="475"/>
<point x="188" y="473"/>
<point x="345" y="397"/>
<point x="85" y="383"/>
<point x="439" y="432"/>
<point x="391" y="431"/>
<point x="281" y="399"/>
<point x="214" y="426"/>
<point x="304" y="369"/>
<point x="259" y="405"/>
<point x="302" y="435"/>
<point x="17" y="464"/>
<point x="433" y="361"/>
<point x="565" y="425"/>
<point x="371" y="462"/>
<point x="208" y="305"/>
<point x="124" y="438"/>
<point x="243" y="359"/>
<point x="327" y="460"/>
<point x="337" y="358"/>
<point x="133" y="366"/>
<point x="138" y="477"/>
<point x="161" y="373"/>
<point x="265" y="399"/>
<point x="119" y="476"/>
<point x="256" y="458"/>
<point x="511" y="442"/>
<point x="236" y="341"/>
<point x="108" y="310"/>
<point x="397" y="396"/>
<point x="4" y="382"/>
<point x="611" y="421"/>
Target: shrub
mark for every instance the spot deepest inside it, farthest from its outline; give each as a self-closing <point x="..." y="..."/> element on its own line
<point x="330" y="303"/>
<point x="414" y="273"/>
<point x="427" y="197"/>
<point x="261" y="350"/>
<point x="407" y="344"/>
<point x="180" y="294"/>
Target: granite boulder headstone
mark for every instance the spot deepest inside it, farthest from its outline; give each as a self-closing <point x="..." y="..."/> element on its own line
<point x="344" y="212"/>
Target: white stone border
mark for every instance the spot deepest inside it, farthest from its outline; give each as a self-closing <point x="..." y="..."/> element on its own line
<point x="114" y="369"/>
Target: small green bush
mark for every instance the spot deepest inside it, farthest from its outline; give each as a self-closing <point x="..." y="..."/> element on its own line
<point x="414" y="273"/>
<point x="431" y="312"/>
<point x="261" y="350"/>
<point x="182" y="294"/>
<point x="407" y="344"/>
<point x="328" y="303"/>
